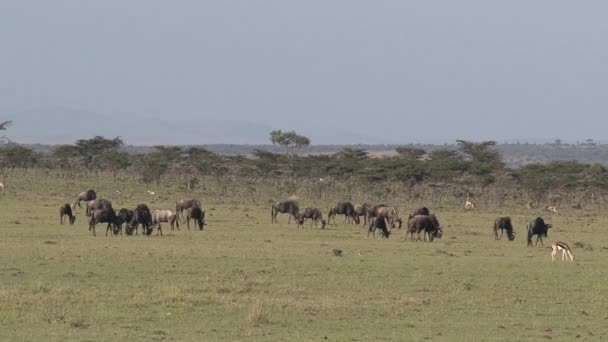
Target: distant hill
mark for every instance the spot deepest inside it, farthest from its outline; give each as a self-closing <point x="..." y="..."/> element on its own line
<point x="58" y="125"/>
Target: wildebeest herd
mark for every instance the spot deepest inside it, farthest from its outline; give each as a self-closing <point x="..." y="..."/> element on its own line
<point x="384" y="218"/>
<point x="421" y="222"/>
<point x="100" y="210"/>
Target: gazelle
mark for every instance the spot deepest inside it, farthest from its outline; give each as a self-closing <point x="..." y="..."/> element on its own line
<point x="561" y="246"/>
<point x="468" y="204"/>
<point x="551" y="209"/>
<point x="2" y="185"/>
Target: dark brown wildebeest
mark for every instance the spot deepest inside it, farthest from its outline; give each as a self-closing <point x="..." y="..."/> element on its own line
<point x="168" y="216"/>
<point x="503" y="223"/>
<point x="379" y="222"/>
<point x="424" y="211"/>
<point x="424" y="223"/>
<point x="313" y="214"/>
<point x="99" y="203"/>
<point x="124" y="217"/>
<point x="284" y="207"/>
<point x="85" y="196"/>
<point x="539" y="228"/>
<point x="198" y="215"/>
<point x="363" y="210"/>
<point x="390" y="213"/>
<point x="105" y="215"/>
<point x="141" y="215"/>
<point x="343" y="208"/>
<point x="182" y="205"/>
<point x="66" y="210"/>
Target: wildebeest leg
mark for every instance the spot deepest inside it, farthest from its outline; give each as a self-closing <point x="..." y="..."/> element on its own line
<point x="501" y="231"/>
<point x="188" y="222"/>
<point x="160" y="230"/>
<point x="107" y="229"/>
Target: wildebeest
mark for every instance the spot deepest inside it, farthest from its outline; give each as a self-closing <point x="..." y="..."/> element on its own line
<point x="169" y="216"/>
<point x="198" y="215"/>
<point x="390" y="213"/>
<point x="539" y="228"/>
<point x="124" y="216"/>
<point x="343" y="208"/>
<point x="66" y="210"/>
<point x="285" y="207"/>
<point x="313" y="214"/>
<point x="424" y="211"/>
<point x="105" y="215"/>
<point x="182" y="205"/>
<point x="97" y="204"/>
<point x="86" y="196"/>
<point x="503" y="223"/>
<point x="362" y="210"/>
<point x="379" y="222"/>
<point x="424" y="223"/>
<point x="141" y="215"/>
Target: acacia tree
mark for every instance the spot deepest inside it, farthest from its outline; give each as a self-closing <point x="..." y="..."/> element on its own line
<point x="289" y="141"/>
<point x="91" y="150"/>
<point x="3" y="126"/>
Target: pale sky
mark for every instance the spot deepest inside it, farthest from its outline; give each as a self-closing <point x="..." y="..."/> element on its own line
<point x="382" y="71"/>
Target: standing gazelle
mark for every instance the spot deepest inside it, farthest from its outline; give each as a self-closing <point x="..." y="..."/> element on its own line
<point x="561" y="246"/>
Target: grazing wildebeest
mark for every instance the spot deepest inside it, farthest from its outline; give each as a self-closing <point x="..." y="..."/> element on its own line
<point x="424" y="223"/>
<point x="141" y="215"/>
<point x="86" y="196"/>
<point x="66" y="210"/>
<point x="362" y="210"/>
<point x="424" y="211"/>
<point x="182" y="205"/>
<point x="313" y="214"/>
<point x="503" y="223"/>
<point x="198" y="215"/>
<point x="124" y="217"/>
<point x="169" y="216"/>
<point x="539" y="228"/>
<point x="390" y="213"/>
<point x="99" y="203"/>
<point x="379" y="222"/>
<point x="343" y="208"/>
<point x="285" y="207"/>
<point x="105" y="215"/>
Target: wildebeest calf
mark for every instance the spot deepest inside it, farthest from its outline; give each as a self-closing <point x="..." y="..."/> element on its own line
<point x="539" y="228"/>
<point x="66" y="210"/>
<point x="503" y="223"/>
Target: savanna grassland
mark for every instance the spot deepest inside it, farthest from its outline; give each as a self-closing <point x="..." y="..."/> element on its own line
<point x="245" y="279"/>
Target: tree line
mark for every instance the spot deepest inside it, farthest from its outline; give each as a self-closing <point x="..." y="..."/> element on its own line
<point x="471" y="166"/>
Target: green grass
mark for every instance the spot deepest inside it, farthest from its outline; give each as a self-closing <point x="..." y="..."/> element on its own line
<point x="245" y="279"/>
